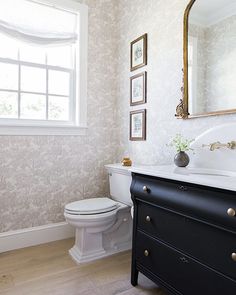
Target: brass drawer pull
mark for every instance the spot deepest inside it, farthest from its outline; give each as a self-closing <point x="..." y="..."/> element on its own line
<point x="145" y="189"/>
<point x="233" y="256"/>
<point x="231" y="212"/>
<point x="146" y="253"/>
<point x="148" y="218"/>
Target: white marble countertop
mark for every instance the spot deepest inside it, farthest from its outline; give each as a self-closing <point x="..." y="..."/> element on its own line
<point x="208" y="177"/>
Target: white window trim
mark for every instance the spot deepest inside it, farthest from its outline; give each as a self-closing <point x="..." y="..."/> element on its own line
<point x="79" y="126"/>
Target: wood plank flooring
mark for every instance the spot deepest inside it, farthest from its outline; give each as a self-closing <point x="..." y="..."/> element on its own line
<point x="48" y="270"/>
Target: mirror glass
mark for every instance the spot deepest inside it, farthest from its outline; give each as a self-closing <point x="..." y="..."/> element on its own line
<point x="212" y="57"/>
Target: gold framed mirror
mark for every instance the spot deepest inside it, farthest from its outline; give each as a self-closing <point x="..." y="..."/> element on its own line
<point x="209" y="70"/>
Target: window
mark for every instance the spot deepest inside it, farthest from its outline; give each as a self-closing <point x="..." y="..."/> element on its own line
<point x="43" y="66"/>
<point x="36" y="83"/>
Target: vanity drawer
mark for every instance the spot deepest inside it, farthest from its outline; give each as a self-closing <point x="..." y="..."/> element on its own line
<point x="204" y="203"/>
<point x="180" y="271"/>
<point x="210" y="245"/>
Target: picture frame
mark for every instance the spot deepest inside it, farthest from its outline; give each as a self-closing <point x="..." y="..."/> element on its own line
<point x="138" y="89"/>
<point x="138" y="125"/>
<point x="138" y="53"/>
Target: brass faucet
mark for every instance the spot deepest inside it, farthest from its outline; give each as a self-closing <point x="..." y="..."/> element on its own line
<point x="218" y="145"/>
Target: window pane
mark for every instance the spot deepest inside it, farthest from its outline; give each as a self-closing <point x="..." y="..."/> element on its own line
<point x="59" y="83"/>
<point x="60" y="56"/>
<point x="8" y="104"/>
<point x="33" y="79"/>
<point x="58" y="108"/>
<point x="8" y="76"/>
<point x="35" y="54"/>
<point x="9" y="47"/>
<point x="33" y="106"/>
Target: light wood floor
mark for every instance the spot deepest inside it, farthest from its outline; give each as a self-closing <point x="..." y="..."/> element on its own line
<point x="48" y="270"/>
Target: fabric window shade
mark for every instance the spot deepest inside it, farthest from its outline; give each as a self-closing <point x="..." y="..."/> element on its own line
<point x="37" y="23"/>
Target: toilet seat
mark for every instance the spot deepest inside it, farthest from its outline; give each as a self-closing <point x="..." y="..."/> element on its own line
<point x="91" y="206"/>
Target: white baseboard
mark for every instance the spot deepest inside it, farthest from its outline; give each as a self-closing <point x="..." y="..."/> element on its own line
<point x="22" y="238"/>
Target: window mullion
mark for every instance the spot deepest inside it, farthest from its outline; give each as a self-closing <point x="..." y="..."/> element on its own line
<point x="33" y="64"/>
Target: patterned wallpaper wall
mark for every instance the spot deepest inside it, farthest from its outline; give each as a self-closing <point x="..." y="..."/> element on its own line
<point x="41" y="174"/>
<point x="162" y="20"/>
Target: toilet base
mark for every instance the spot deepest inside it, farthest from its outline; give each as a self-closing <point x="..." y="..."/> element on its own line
<point x="92" y="245"/>
<point x="78" y="258"/>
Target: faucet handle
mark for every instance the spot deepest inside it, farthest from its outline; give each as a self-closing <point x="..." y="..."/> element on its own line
<point x="213" y="146"/>
<point x="232" y="145"/>
<point x="217" y="145"/>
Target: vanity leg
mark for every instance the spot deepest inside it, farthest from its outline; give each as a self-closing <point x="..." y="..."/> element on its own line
<point x="134" y="276"/>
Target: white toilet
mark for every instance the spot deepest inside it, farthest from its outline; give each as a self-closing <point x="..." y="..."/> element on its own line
<point x="103" y="225"/>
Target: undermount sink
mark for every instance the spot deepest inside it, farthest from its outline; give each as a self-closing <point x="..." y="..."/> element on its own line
<point x="206" y="172"/>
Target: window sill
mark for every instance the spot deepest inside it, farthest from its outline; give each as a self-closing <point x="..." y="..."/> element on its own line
<point x="57" y="130"/>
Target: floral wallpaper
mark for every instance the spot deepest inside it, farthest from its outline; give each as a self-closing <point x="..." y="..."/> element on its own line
<point x="40" y="174"/>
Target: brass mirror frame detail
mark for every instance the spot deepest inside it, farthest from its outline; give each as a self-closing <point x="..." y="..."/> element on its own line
<point x="182" y="108"/>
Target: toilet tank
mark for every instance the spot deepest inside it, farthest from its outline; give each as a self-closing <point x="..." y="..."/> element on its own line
<point x="120" y="181"/>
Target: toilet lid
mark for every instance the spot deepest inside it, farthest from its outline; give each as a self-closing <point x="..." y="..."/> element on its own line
<point x="91" y="206"/>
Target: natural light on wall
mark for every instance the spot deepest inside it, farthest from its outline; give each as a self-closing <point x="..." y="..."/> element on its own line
<point x="41" y="66"/>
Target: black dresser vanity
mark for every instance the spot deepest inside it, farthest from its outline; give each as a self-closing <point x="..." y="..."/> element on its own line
<point x="184" y="236"/>
<point x="184" y="233"/>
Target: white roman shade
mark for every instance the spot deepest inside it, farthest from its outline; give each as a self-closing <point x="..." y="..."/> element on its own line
<point x="37" y="23"/>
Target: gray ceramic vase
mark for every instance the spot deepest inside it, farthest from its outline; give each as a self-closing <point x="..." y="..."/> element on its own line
<point x="181" y="159"/>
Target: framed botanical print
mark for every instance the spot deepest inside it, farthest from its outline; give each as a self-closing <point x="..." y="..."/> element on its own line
<point x="138" y="52"/>
<point x="138" y="125"/>
<point x="138" y="89"/>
